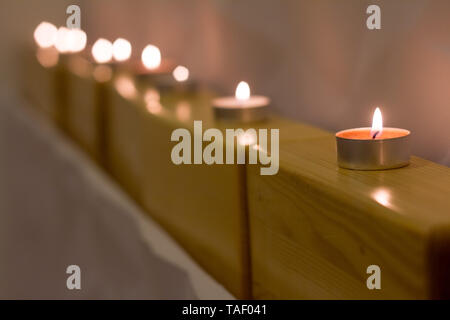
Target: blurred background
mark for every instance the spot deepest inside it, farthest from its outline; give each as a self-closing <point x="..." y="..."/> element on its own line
<point x="316" y="60"/>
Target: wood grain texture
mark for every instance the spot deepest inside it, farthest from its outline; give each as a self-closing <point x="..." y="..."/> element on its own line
<point x="315" y="228"/>
<point x="202" y="206"/>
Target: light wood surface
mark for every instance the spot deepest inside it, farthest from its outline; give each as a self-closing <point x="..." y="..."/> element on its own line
<point x="315" y="228"/>
<point x="308" y="232"/>
<point x="124" y="138"/>
<point x="203" y="206"/>
<point x="82" y="113"/>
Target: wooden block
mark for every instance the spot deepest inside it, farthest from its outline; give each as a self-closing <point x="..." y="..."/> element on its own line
<point x="83" y="114"/>
<point x="203" y="206"/>
<point x="124" y="139"/>
<point x="88" y="107"/>
<point x="315" y="228"/>
<point x="43" y="83"/>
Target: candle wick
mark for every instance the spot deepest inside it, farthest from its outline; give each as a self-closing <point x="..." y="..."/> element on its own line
<point x="375" y="134"/>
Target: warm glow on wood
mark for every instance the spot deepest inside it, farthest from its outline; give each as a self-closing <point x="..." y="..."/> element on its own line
<point x="126" y="87"/>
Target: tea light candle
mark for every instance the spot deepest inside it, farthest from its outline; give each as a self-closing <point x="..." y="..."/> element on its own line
<point x="242" y="107"/>
<point x="105" y="52"/>
<point x="374" y="148"/>
<point x="153" y="69"/>
<point x="121" y="50"/>
<point x="45" y="34"/>
<point x="181" y="80"/>
<point x="109" y="57"/>
<point x="54" y="43"/>
<point x="102" y="53"/>
<point x="69" y="41"/>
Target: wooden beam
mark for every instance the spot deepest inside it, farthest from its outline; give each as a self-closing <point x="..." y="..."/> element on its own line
<point x="43" y="86"/>
<point x="83" y="113"/>
<point x="123" y="145"/>
<point x="315" y="228"/>
<point x="203" y="206"/>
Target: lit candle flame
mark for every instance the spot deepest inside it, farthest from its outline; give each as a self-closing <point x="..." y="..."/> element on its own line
<point x="121" y="49"/>
<point x="181" y="73"/>
<point x="377" y="124"/>
<point x="76" y="39"/>
<point x="151" y="57"/>
<point x="45" y="34"/>
<point x="242" y="91"/>
<point x="70" y="40"/>
<point x="62" y="43"/>
<point x="102" y="50"/>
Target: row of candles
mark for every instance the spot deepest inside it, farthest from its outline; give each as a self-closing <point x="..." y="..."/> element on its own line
<point x="368" y="148"/>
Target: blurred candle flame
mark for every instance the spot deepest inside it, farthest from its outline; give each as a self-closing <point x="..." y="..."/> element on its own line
<point x="77" y="40"/>
<point x="62" y="43"/>
<point x="377" y="124"/>
<point x="151" y="57"/>
<point x="121" y="49"/>
<point x="242" y="91"/>
<point x="45" y="34"/>
<point x="70" y="40"/>
<point x="102" y="50"/>
<point x="181" y="73"/>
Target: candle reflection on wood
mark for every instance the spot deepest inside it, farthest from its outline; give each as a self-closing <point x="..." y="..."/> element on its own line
<point x="322" y="226"/>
